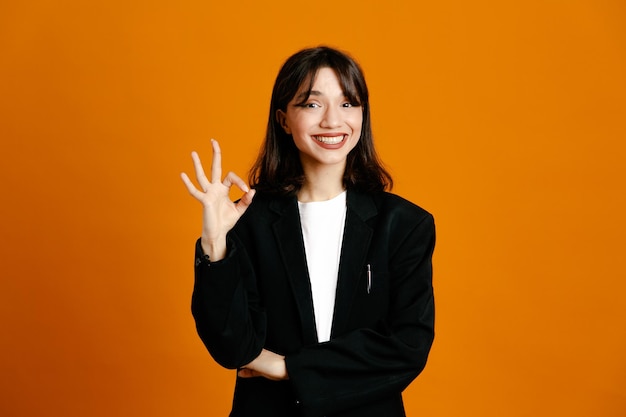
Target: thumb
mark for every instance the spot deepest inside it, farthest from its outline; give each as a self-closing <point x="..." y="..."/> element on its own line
<point x="245" y="201"/>
<point x="247" y="373"/>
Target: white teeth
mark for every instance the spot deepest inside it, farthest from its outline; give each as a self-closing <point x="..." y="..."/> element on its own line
<point x="329" y="140"/>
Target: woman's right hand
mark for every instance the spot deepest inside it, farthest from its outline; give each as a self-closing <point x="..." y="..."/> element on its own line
<point x="219" y="213"/>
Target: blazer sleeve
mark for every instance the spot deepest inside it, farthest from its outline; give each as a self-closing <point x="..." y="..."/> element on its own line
<point x="225" y="306"/>
<point x="366" y="365"/>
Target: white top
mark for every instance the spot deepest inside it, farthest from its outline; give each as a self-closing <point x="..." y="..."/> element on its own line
<point x="322" y="228"/>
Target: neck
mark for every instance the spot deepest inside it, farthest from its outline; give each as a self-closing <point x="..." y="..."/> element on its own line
<point x="321" y="184"/>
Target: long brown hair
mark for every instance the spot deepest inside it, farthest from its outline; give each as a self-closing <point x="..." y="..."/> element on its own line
<point x="277" y="169"/>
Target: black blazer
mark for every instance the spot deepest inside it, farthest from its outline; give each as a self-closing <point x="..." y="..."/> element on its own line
<point x="259" y="296"/>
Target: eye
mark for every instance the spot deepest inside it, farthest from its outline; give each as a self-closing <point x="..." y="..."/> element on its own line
<point x="309" y="105"/>
<point x="347" y="105"/>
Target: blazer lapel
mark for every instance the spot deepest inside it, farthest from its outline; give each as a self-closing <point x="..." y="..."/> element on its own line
<point x="356" y="242"/>
<point x="288" y="234"/>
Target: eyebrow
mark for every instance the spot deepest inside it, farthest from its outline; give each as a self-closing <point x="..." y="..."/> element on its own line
<point x="306" y="94"/>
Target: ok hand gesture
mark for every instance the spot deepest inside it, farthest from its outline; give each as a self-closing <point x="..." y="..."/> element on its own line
<point x="219" y="213"/>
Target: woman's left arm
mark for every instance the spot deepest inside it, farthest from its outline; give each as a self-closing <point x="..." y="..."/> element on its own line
<point x="366" y="364"/>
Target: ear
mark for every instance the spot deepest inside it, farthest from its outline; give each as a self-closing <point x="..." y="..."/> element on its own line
<point x="282" y="120"/>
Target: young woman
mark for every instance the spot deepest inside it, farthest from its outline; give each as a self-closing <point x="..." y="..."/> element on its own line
<point x="316" y="285"/>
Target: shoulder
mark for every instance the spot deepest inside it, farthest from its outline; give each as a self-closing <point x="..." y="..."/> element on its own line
<point x="396" y="204"/>
<point x="389" y="206"/>
<point x="401" y="226"/>
<point x="393" y="218"/>
<point x="406" y="218"/>
<point x="265" y="208"/>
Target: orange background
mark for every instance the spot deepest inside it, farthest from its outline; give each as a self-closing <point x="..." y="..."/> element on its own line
<point x="506" y="120"/>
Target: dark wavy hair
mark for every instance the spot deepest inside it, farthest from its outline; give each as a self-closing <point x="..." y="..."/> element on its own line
<point x="278" y="169"/>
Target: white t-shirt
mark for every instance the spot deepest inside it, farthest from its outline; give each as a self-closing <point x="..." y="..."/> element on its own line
<point x="322" y="228"/>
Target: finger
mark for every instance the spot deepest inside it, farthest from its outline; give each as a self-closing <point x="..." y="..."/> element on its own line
<point x="190" y="187"/>
<point x="232" y="179"/>
<point x="245" y="201"/>
<point x="247" y="373"/>
<point x="216" y="166"/>
<point x="200" y="176"/>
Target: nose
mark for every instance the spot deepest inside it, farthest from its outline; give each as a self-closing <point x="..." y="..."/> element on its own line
<point x="331" y="118"/>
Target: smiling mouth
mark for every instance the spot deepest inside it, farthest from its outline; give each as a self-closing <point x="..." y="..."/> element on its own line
<point x="329" y="140"/>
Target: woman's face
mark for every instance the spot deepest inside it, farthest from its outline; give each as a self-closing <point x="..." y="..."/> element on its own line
<point x="326" y="126"/>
